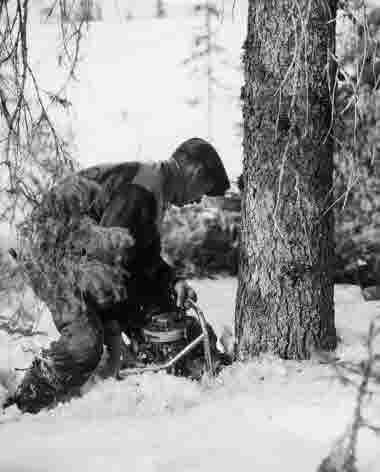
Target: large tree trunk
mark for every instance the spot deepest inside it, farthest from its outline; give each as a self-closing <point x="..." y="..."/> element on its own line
<point x="285" y="294"/>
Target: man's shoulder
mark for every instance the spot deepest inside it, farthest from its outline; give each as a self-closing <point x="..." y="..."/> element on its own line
<point x="102" y="173"/>
<point x="127" y="204"/>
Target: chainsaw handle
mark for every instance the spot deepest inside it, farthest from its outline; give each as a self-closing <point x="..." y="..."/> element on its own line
<point x="206" y="338"/>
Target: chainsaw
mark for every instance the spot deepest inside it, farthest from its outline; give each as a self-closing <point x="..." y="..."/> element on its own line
<point x="174" y="342"/>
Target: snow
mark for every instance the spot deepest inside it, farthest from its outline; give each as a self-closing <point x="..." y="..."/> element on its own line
<point x="131" y="98"/>
<point x="264" y="415"/>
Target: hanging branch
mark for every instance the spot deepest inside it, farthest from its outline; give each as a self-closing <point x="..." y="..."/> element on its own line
<point x="28" y="132"/>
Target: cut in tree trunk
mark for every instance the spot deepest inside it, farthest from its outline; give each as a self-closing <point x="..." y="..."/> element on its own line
<point x="285" y="292"/>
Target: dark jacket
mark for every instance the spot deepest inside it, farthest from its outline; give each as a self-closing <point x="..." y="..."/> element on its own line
<point x="96" y="238"/>
<point x="133" y="197"/>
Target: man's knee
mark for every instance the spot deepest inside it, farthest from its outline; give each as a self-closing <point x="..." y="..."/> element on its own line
<point x="82" y="343"/>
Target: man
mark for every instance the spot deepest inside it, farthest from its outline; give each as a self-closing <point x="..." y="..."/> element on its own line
<point x="93" y="254"/>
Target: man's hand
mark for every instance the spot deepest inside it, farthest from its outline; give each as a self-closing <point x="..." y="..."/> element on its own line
<point x="11" y="400"/>
<point x="184" y="293"/>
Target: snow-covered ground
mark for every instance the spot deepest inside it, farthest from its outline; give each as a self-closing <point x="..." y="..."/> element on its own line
<point x="265" y="415"/>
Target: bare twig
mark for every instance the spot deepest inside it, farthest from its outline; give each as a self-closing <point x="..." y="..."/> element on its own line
<point x="25" y="116"/>
<point x="343" y="455"/>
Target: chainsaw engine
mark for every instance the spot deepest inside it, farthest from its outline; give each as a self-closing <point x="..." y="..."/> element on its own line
<point x="178" y="343"/>
<point x="166" y="335"/>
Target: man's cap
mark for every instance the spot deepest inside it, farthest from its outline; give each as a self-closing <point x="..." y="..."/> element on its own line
<point x="199" y="150"/>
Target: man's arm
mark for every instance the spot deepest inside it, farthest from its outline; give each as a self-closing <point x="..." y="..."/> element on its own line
<point x="135" y="208"/>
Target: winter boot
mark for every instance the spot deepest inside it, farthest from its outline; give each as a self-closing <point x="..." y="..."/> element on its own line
<point x="39" y="388"/>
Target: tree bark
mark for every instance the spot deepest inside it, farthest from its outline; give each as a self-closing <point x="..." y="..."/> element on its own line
<point x="285" y="293"/>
